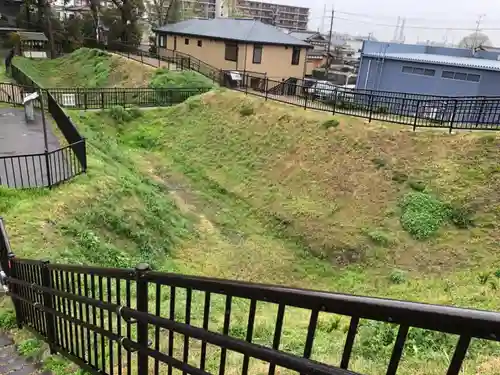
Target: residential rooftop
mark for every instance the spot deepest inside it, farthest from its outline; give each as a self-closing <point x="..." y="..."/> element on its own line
<point x="238" y="29"/>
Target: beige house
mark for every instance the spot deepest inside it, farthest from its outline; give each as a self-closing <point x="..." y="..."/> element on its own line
<point x="245" y="45"/>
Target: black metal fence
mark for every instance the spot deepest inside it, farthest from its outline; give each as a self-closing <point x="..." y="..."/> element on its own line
<point x="471" y="113"/>
<point x="416" y="110"/>
<point x="140" y="321"/>
<point x="48" y="168"/>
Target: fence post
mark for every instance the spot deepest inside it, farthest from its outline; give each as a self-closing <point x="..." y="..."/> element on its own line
<point x="305" y="101"/>
<point x="85" y="99"/>
<point x="102" y="99"/>
<point x="47" y="302"/>
<point x="370" y="108"/>
<point x="453" y="114"/>
<point x="266" y="88"/>
<point x="142" y="327"/>
<point x="416" y="116"/>
<point x="13" y="288"/>
<point x="47" y="165"/>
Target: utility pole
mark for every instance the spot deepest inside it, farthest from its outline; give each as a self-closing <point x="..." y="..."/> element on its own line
<point x="329" y="45"/>
<point x="323" y="20"/>
<point x="478" y="24"/>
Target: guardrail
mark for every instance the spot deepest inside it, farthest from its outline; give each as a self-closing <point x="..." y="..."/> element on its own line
<point x="105" y="319"/>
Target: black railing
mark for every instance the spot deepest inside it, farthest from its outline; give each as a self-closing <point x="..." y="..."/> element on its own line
<point x="415" y="110"/>
<point x="115" y="320"/>
<point x="48" y="168"/>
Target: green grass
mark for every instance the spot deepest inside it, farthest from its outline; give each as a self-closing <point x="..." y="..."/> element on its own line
<point x="93" y="68"/>
<point x="272" y="197"/>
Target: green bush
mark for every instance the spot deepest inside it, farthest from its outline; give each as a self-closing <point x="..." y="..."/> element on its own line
<point x="461" y="217"/>
<point x="122" y="115"/>
<point x="380" y="237"/>
<point x="417" y="185"/>
<point x="167" y="79"/>
<point x="29" y="347"/>
<point x="331" y="123"/>
<point x="422" y="214"/>
<point x="7" y="320"/>
<point x="247" y="110"/>
<point x="399" y="177"/>
<point x="379" y="162"/>
<point x="397" y="277"/>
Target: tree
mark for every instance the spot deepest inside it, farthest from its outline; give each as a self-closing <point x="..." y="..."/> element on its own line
<point x="161" y="12"/>
<point x="475" y="40"/>
<point x="130" y="11"/>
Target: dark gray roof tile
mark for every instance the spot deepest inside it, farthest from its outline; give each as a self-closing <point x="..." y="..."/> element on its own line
<point x="237" y="29"/>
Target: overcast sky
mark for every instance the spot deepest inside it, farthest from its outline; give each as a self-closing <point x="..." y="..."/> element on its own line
<point x="425" y="19"/>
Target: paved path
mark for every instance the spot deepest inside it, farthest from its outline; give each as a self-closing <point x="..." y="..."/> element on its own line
<point x="18" y="137"/>
<point x="11" y="362"/>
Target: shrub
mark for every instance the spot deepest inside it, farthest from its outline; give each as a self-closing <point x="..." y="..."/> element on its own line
<point x="399" y="177"/>
<point x="417" y="185"/>
<point x="331" y="123"/>
<point x="461" y="217"/>
<point x="30" y="347"/>
<point x="380" y="237"/>
<point x="397" y="277"/>
<point x="7" y="320"/>
<point x="497" y="273"/>
<point x="422" y="214"/>
<point x="122" y="115"/>
<point x="246" y="110"/>
<point x="379" y="162"/>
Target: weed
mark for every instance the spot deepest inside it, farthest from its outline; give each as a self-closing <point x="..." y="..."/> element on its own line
<point x="397" y="277"/>
<point x="247" y="110"/>
<point x="461" y="216"/>
<point x="330" y="123"/>
<point x="422" y="214"/>
<point x="7" y="320"/>
<point x="399" y="177"/>
<point x="417" y="185"/>
<point x="379" y="162"/>
<point x="483" y="277"/>
<point x="30" y="347"/>
<point x="380" y="237"/>
<point x="57" y="365"/>
<point x="497" y="273"/>
<point x="122" y="115"/>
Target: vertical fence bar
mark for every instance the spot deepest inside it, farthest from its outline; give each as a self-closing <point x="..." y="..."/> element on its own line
<point x="142" y="327"/>
<point x="416" y="115"/>
<point x="15" y="290"/>
<point x="47" y="302"/>
<point x="453" y="115"/>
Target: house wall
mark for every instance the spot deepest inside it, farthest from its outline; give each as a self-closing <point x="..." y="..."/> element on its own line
<point x="388" y="76"/>
<point x="312" y="64"/>
<point x="276" y="59"/>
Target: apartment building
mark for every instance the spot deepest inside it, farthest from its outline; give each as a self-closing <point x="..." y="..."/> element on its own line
<point x="285" y="16"/>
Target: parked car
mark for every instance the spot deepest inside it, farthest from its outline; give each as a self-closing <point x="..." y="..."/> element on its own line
<point x="322" y="90"/>
<point x="327" y="91"/>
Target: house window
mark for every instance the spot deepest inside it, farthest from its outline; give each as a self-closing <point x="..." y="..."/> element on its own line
<point x="419" y="71"/>
<point x="461" y="76"/>
<point x="231" y="53"/>
<point x="257" y="54"/>
<point x="186" y="41"/>
<point x="295" y="56"/>
<point x="199" y="43"/>
<point x="448" y="74"/>
<point x="162" y="41"/>
<point x="473" y="77"/>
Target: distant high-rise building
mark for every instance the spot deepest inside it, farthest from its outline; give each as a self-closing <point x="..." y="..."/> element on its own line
<point x="285" y="16"/>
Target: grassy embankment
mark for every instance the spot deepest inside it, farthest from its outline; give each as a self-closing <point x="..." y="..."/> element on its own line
<point x="94" y="68"/>
<point x="232" y="186"/>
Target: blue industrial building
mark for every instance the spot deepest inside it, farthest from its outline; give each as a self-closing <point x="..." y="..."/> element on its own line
<point x="428" y="70"/>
